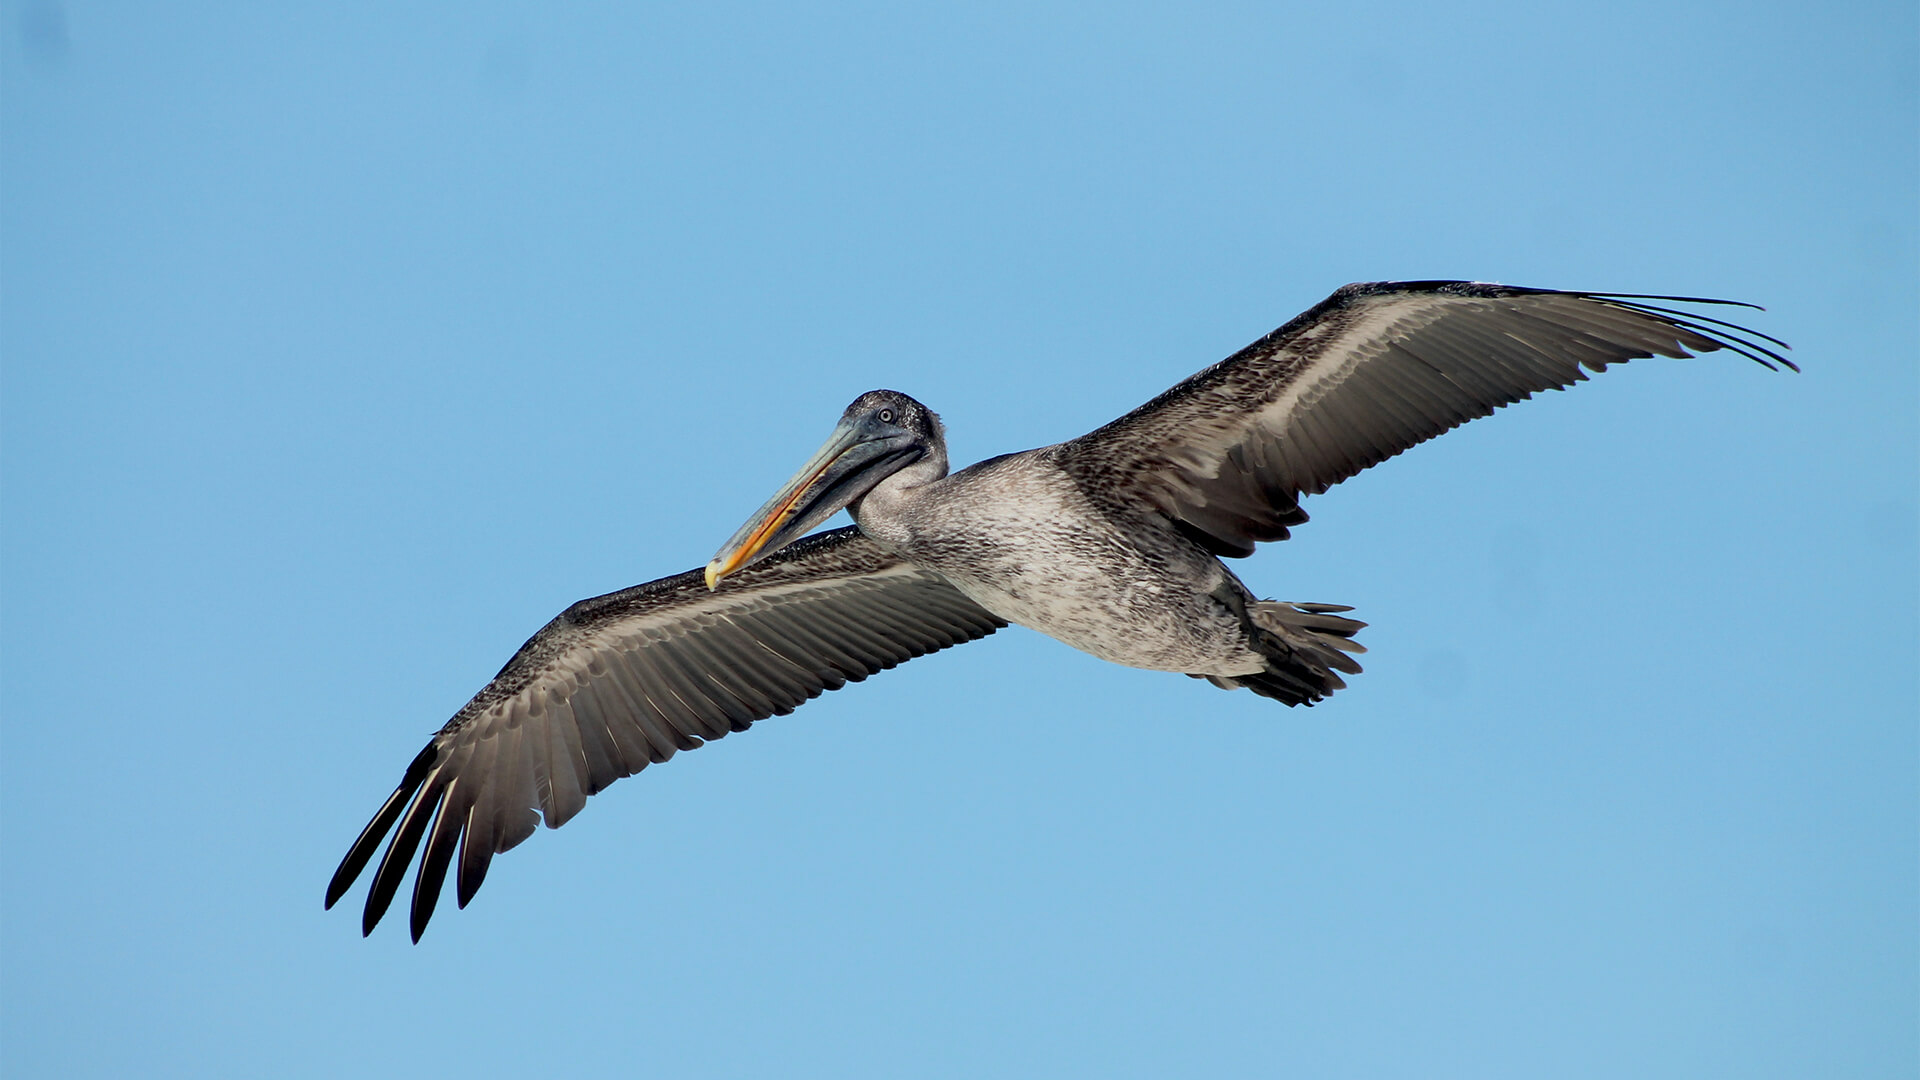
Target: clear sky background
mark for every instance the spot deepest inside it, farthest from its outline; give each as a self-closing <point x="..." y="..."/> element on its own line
<point x="344" y="346"/>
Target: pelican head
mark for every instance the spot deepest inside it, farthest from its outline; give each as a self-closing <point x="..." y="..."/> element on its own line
<point x="882" y="432"/>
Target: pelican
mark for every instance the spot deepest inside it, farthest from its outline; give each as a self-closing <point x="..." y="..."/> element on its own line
<point x="1110" y="542"/>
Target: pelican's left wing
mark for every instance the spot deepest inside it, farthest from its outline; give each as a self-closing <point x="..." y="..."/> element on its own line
<point x="1371" y="371"/>
<point x="624" y="680"/>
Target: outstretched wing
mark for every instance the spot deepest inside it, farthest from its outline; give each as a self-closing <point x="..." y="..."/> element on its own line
<point x="1373" y="370"/>
<point x="624" y="680"/>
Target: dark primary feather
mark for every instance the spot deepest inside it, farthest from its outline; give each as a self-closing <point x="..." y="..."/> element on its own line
<point x="621" y="681"/>
<point x="1369" y="372"/>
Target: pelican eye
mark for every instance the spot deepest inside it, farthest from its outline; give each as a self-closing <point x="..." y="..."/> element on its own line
<point x="886" y="416"/>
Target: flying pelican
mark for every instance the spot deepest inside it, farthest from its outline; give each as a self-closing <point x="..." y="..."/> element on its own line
<point x="1110" y="542"/>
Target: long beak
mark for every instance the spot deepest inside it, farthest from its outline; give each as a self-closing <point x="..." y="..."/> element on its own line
<point x="855" y="458"/>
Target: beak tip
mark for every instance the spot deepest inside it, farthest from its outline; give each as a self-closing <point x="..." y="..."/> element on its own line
<point x="713" y="575"/>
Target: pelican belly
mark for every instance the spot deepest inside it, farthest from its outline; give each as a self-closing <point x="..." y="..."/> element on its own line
<point x="1020" y="539"/>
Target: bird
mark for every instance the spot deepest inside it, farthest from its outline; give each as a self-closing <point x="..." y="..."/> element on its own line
<point x="1110" y="542"/>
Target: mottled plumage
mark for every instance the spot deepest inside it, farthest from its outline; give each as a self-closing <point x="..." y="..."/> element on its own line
<point x="1110" y="542"/>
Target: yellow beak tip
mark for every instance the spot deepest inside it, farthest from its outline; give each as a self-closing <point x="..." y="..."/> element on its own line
<point x="713" y="576"/>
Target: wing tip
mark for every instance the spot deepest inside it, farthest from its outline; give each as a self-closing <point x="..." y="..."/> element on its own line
<point x="404" y="806"/>
<point x="1723" y="334"/>
<point x="382" y="822"/>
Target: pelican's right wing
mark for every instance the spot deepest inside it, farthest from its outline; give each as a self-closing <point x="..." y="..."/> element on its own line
<point x="624" y="680"/>
<point x="1371" y="371"/>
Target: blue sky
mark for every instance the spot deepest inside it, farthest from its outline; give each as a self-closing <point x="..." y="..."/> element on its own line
<point x="344" y="346"/>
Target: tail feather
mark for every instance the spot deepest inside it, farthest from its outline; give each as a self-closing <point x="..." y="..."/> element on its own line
<point x="1305" y="645"/>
